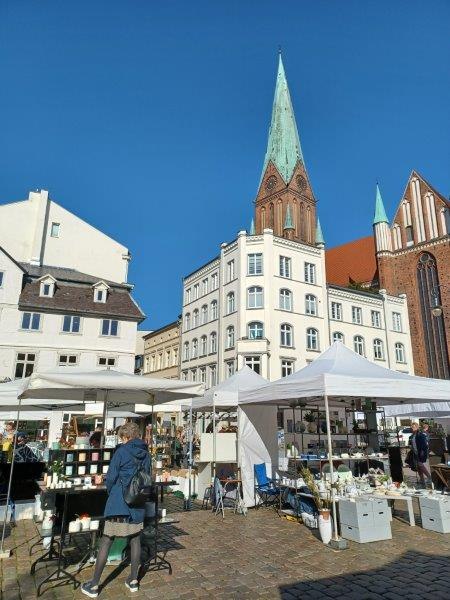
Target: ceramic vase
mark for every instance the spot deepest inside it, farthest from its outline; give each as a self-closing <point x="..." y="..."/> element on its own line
<point x="312" y="427"/>
<point x="325" y="526"/>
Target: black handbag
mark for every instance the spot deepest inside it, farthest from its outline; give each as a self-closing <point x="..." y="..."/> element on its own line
<point x="137" y="491"/>
<point x="411" y="461"/>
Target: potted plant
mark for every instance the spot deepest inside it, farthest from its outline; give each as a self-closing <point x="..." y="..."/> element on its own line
<point x="324" y="519"/>
<point x="311" y="420"/>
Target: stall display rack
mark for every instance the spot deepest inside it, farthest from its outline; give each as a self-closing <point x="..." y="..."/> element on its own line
<point x="94" y="460"/>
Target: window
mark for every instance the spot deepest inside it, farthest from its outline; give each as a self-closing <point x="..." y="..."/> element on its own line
<point x="187" y="321"/>
<point x="195" y="318"/>
<point x="287" y="367"/>
<point x="194" y="348"/>
<point x="285" y="267"/>
<point x="196" y="291"/>
<point x="338" y="337"/>
<point x="110" y="327"/>
<point x="71" y="324"/>
<point x="186" y="351"/>
<point x="214" y="281"/>
<point x="400" y="355"/>
<point x="409" y="235"/>
<point x="203" y="345"/>
<point x="204" y="286"/>
<point x="175" y="357"/>
<point x="230" y="270"/>
<point x="31" y="321"/>
<point x="396" y="321"/>
<point x="358" y="345"/>
<point x="212" y="375"/>
<point x="336" y="311"/>
<point x="255" y="297"/>
<point x="378" y="350"/>
<point x="188" y="295"/>
<point x="312" y="339"/>
<point x="214" y="311"/>
<point x="2" y="274"/>
<point x="67" y="360"/>
<point x="204" y="314"/>
<point x="286" y="335"/>
<point x="286" y="299"/>
<point x="108" y="361"/>
<point x="230" y="337"/>
<point x="310" y="273"/>
<point x="100" y="296"/>
<point x="47" y="289"/>
<point x="357" y="315"/>
<point x="255" y="330"/>
<point x="230" y="368"/>
<point x="54" y="230"/>
<point x="202" y="374"/>
<point x="230" y="303"/>
<point x="25" y="362"/>
<point x="254" y="264"/>
<point x="376" y="318"/>
<point x="254" y="362"/>
<point x="310" y="304"/>
<point x="213" y="342"/>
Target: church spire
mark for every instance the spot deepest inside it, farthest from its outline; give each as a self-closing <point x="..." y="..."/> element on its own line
<point x="319" y="235"/>
<point x="283" y="147"/>
<point x="252" y="227"/>
<point x="380" y="214"/>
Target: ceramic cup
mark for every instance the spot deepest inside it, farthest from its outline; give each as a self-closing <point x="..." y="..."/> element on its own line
<point x="74" y="526"/>
<point x="95" y="525"/>
<point x="77" y="481"/>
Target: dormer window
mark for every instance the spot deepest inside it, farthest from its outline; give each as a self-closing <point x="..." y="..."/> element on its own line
<point x="47" y="287"/>
<point x="100" y="291"/>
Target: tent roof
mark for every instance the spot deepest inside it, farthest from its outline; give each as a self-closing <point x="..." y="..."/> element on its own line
<point x="121" y="388"/>
<point x="428" y="409"/>
<point x="9" y="398"/>
<point x="228" y="393"/>
<point x="340" y="373"/>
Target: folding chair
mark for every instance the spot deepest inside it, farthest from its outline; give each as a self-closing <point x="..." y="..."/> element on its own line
<point x="222" y="498"/>
<point x="265" y="488"/>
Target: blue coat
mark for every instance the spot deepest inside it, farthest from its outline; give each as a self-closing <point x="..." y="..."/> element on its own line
<point x="122" y="467"/>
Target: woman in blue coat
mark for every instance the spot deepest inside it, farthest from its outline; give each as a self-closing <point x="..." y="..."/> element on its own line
<point x="121" y="519"/>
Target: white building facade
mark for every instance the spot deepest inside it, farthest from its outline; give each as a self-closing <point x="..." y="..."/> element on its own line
<point x="264" y="302"/>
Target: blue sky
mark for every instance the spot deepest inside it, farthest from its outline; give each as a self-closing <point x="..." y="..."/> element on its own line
<point x="149" y="119"/>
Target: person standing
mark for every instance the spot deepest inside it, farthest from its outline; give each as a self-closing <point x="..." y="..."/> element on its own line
<point x="419" y="446"/>
<point x="121" y="519"/>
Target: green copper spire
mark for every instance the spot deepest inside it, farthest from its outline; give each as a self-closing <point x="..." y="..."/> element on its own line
<point x="380" y="213"/>
<point x="288" y="224"/>
<point x="252" y="227"/>
<point x="283" y="147"/>
<point x="319" y="234"/>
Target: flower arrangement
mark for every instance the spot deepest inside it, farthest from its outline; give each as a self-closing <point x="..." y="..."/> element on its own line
<point x="310" y="417"/>
<point x="308" y="478"/>
<point x="57" y="467"/>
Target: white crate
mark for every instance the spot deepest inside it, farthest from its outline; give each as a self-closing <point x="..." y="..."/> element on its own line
<point x="362" y="513"/>
<point x="365" y="534"/>
<point x="434" y="522"/>
<point x="439" y="506"/>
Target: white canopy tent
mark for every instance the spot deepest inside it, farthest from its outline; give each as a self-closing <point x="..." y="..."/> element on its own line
<point x="339" y="374"/>
<point x="431" y="410"/>
<point x="256" y="425"/>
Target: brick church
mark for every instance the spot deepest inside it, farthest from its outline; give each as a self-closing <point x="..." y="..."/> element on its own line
<point x="410" y="255"/>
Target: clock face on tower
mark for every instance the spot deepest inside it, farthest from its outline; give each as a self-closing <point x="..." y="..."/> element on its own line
<point x="271" y="183"/>
<point x="301" y="183"/>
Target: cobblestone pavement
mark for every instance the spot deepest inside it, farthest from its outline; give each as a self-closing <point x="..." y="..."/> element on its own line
<point x="258" y="556"/>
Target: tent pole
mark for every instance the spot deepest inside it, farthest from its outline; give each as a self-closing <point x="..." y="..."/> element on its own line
<point x="7" y="554"/>
<point x="105" y="410"/>
<point x="330" y="457"/>
<point x="214" y="434"/>
<point x="187" y="505"/>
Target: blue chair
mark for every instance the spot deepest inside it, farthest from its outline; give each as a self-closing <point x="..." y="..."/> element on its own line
<point x="265" y="489"/>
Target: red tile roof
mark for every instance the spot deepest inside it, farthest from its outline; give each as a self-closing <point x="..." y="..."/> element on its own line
<point x="352" y="262"/>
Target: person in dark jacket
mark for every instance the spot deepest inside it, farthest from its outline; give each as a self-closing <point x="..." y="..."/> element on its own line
<point x="419" y="446"/>
<point x="121" y="519"/>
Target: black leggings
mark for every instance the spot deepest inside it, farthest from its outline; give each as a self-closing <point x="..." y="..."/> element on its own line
<point x="102" y="557"/>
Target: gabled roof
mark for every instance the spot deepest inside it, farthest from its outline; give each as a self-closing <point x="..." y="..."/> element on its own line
<point x="352" y="262"/>
<point x="68" y="275"/>
<point x="18" y="265"/>
<point x="283" y="146"/>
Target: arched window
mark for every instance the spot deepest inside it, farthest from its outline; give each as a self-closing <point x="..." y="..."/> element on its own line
<point x="286" y="335"/>
<point x="358" y="344"/>
<point x="255" y="330"/>
<point x="285" y="299"/>
<point x="338" y="337"/>
<point x="203" y="345"/>
<point x="400" y="355"/>
<point x="213" y="342"/>
<point x="214" y="311"/>
<point x="194" y="348"/>
<point x="230" y="337"/>
<point x="255" y="297"/>
<point x="435" y="339"/>
<point x="195" y="318"/>
<point x="187" y="321"/>
<point x="312" y="339"/>
<point x="378" y="349"/>
<point x="204" y="314"/>
<point x="310" y="304"/>
<point x="230" y="303"/>
<point x="186" y="351"/>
